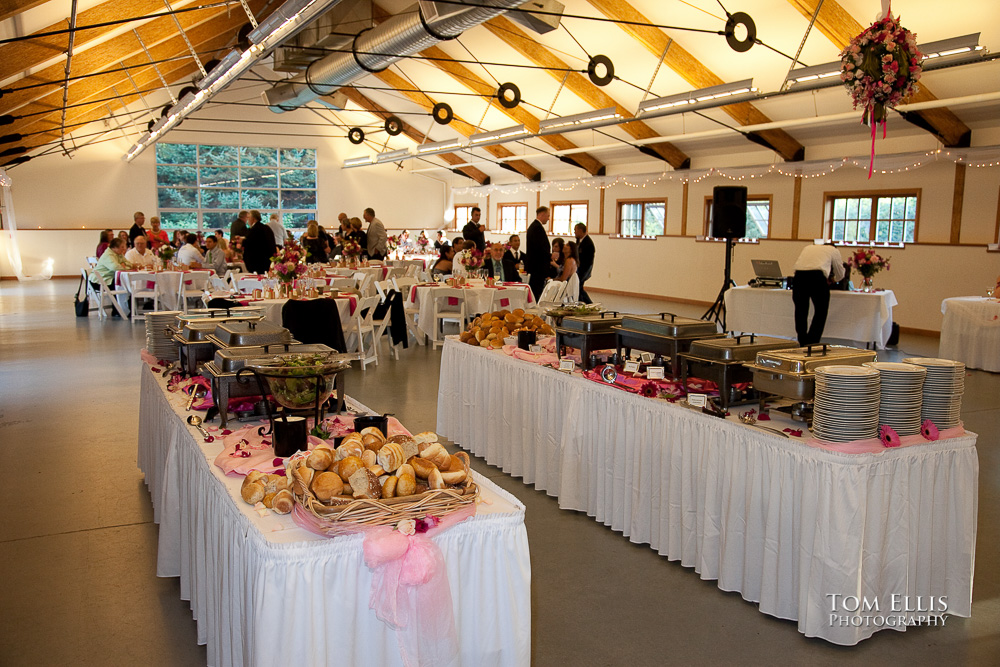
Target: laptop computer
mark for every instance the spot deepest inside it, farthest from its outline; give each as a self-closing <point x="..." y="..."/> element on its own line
<point x="767" y="269"/>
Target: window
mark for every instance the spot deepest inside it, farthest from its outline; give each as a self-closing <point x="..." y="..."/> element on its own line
<point x="882" y="218"/>
<point x="565" y="215"/>
<point x="758" y="217"/>
<point x="641" y="217"/>
<point x="205" y="187"/>
<point x="463" y="212"/>
<point x="513" y="218"/>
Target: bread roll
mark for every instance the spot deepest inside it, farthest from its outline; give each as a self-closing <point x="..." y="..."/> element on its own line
<point x="369" y="458"/>
<point x="283" y="502"/>
<point x="421" y="487"/>
<point x="421" y="467"/>
<point x="400" y="438"/>
<point x="320" y="458"/>
<point x="326" y="485"/>
<point x="373" y="430"/>
<point x="406" y="486"/>
<point x="365" y="484"/>
<point x="352" y="437"/>
<point x="435" y="481"/>
<point x="253" y="492"/>
<point x="389" y="487"/>
<point x="377" y="470"/>
<point x="267" y="500"/>
<point x="391" y="456"/>
<point x="349" y="466"/>
<point x="438" y="455"/>
<point x="302" y="477"/>
<point x="352" y="448"/>
<point x="452" y="476"/>
<point x="252" y="476"/>
<point x="373" y="442"/>
<point x="405" y="469"/>
<point x="426" y="437"/>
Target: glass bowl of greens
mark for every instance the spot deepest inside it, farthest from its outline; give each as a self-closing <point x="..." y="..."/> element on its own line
<point x="300" y="381"/>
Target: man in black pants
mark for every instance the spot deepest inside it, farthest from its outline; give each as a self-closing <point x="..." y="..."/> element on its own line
<point x="816" y="268"/>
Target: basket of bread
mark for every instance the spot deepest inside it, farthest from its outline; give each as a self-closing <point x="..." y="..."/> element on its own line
<point x="373" y="480"/>
<point x="490" y="329"/>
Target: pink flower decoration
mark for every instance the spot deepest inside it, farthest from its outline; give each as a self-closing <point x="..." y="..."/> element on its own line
<point x="888" y="436"/>
<point x="763" y="417"/>
<point x="796" y="432"/>
<point x="278" y="461"/>
<point x="649" y="389"/>
<point x="226" y="431"/>
<point x="929" y="430"/>
<point x="156" y="370"/>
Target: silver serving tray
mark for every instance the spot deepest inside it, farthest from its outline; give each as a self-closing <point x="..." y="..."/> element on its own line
<point x="195" y="332"/>
<point x="596" y="323"/>
<point x="668" y="325"/>
<point x="243" y="334"/>
<point x="734" y="349"/>
<point x="231" y="359"/>
<point x="806" y="359"/>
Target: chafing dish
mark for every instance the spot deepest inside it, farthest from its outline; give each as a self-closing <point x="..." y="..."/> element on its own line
<point x="222" y="369"/>
<point x="587" y="333"/>
<point x="666" y="334"/>
<point x="193" y="346"/>
<point x="722" y="360"/>
<point x="243" y="334"/>
<point x="791" y="373"/>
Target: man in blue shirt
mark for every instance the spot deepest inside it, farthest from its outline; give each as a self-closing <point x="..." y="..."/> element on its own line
<point x="499" y="267"/>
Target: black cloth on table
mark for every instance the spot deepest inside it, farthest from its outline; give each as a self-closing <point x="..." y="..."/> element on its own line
<point x="397" y="325"/>
<point x="315" y="321"/>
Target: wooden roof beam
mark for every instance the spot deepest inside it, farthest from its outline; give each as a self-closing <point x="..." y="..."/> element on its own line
<point x="459" y="125"/>
<point x="659" y="42"/>
<point x="837" y="24"/>
<point x="413" y="133"/>
<point x="10" y="8"/>
<point x="581" y="86"/>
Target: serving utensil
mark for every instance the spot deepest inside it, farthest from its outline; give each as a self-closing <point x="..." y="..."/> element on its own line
<point x="749" y="419"/>
<point x="195" y="392"/>
<point x="196" y="421"/>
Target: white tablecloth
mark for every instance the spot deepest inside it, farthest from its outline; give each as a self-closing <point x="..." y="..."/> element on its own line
<point x="168" y="283"/>
<point x="854" y="316"/>
<point x="265" y="592"/>
<point x="477" y="300"/>
<point x="970" y="332"/>
<point x="782" y="523"/>
<point x="273" y="310"/>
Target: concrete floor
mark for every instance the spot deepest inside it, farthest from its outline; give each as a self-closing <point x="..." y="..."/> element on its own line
<point x="78" y="546"/>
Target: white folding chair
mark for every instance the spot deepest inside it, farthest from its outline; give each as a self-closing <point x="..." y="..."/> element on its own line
<point x="343" y="283"/>
<point x="396" y="271"/>
<point x="365" y="283"/>
<point x="144" y="288"/>
<point x="550" y="297"/>
<point x="111" y="295"/>
<point x="249" y="283"/>
<point x="410" y="311"/>
<point x="384" y="288"/>
<point x="91" y="262"/>
<point x="232" y="278"/>
<point x="508" y="299"/>
<point x="447" y="304"/>
<point x="191" y="287"/>
<point x="361" y="325"/>
<point x="217" y="284"/>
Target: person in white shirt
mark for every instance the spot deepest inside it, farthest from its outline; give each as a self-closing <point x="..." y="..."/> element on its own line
<point x="215" y="256"/>
<point x="189" y="253"/>
<point x="816" y="268"/>
<point x="141" y="256"/>
<point x="274" y="222"/>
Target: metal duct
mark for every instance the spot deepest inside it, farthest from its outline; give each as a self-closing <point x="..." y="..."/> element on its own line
<point x="375" y="49"/>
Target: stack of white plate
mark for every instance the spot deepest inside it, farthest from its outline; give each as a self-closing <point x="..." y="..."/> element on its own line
<point x="846" y="404"/>
<point x="901" y="396"/>
<point x="157" y="342"/>
<point x="943" y="390"/>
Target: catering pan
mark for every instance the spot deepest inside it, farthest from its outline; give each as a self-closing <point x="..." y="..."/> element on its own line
<point x="232" y="359"/>
<point x="196" y="332"/>
<point x="242" y="334"/>
<point x="790" y="373"/>
<point x="722" y="360"/>
<point x="665" y="334"/>
<point x="587" y="333"/>
<point x="736" y="349"/>
<point x="668" y="324"/>
<point x="598" y="322"/>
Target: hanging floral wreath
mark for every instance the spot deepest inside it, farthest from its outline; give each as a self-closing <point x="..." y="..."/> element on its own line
<point x="880" y="68"/>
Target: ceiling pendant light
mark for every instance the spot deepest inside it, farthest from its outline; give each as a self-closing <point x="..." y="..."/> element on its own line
<point x="609" y="70"/>
<point x="514" y="92"/>
<point x="393" y="126"/>
<point x="356" y="135"/>
<point x="736" y="44"/>
<point x="442" y="113"/>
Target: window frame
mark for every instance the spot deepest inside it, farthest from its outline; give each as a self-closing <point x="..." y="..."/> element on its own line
<point x="576" y="202"/>
<point x="456" y="207"/>
<point x="618" y="216"/>
<point x="707" y="219"/>
<point x="828" y="204"/>
<point x="201" y="212"/>
<point x="515" y="205"/>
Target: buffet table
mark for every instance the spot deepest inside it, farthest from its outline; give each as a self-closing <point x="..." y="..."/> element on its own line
<point x="265" y="592"/>
<point x="783" y="523"/>
<point x="970" y="332"/>
<point x="854" y="316"/>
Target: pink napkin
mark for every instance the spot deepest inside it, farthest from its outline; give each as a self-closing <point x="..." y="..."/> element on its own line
<point x="150" y="284"/>
<point x="353" y="299"/>
<point x="452" y="300"/>
<point x="875" y="446"/>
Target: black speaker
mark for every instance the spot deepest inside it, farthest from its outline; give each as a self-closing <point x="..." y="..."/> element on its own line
<point x="729" y="211"/>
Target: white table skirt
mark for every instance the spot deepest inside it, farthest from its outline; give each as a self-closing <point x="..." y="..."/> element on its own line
<point x="970" y="332"/>
<point x="782" y="523"/>
<point x="854" y="316"/>
<point x="265" y="592"/>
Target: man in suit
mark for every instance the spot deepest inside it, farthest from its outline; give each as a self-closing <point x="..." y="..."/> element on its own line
<point x="473" y="231"/>
<point x="378" y="244"/>
<point x="585" y="248"/>
<point x="139" y="219"/>
<point x="258" y="245"/>
<point x="536" y="242"/>
<point x="238" y="226"/>
<point x="499" y="267"/>
<point x="514" y="253"/>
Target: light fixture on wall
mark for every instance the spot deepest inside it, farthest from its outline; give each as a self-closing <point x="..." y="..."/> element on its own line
<point x="360" y="161"/>
<point x="817" y="76"/>
<point x="434" y="147"/>
<point x="498" y="136"/>
<point x="392" y="156"/>
<point x="703" y="98"/>
<point x="580" y="121"/>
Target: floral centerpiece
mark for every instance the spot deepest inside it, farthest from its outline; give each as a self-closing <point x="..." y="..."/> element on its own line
<point x="351" y="248"/>
<point x="880" y="68"/>
<point x="471" y="259"/>
<point x="423" y="242"/>
<point x="288" y="263"/>
<point x="166" y="253"/>
<point x="392" y="242"/>
<point x="868" y="263"/>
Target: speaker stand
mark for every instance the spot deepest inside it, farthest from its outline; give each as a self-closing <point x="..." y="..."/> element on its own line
<point x="717" y="311"/>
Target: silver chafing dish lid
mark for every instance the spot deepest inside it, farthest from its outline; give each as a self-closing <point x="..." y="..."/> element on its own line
<point x="243" y="334"/>
<point x="737" y="348"/>
<point x="231" y="359"/>
<point x="668" y="325"/>
<point x="597" y="322"/>
<point x="805" y="359"/>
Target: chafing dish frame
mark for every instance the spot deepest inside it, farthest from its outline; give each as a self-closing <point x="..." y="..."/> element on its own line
<point x="665" y="346"/>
